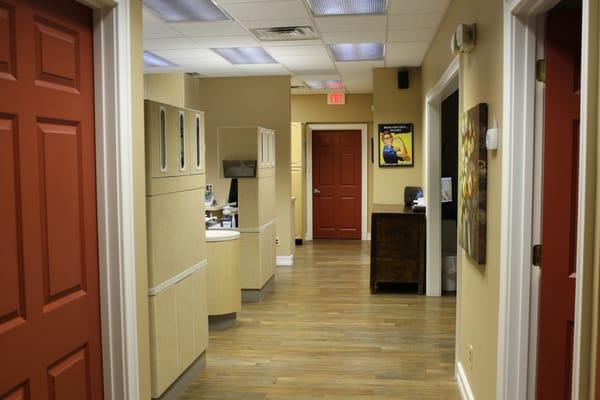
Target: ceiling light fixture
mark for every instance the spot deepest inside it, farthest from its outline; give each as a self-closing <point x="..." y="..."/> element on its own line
<point x="358" y="51"/>
<point x="327" y="84"/>
<point x="187" y="10"/>
<point x="245" y="55"/>
<point x="151" y="60"/>
<point x="323" y="8"/>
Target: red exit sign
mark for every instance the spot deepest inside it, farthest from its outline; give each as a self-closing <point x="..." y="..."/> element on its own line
<point x="336" y="98"/>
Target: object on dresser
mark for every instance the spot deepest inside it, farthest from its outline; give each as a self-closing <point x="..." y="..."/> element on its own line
<point x="411" y="193"/>
<point x="397" y="248"/>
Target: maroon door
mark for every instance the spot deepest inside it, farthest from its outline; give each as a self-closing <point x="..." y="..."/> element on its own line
<point x="559" y="210"/>
<point x="49" y="295"/>
<point x="336" y="185"/>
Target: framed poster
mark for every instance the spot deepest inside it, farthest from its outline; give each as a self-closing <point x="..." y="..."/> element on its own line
<point x="396" y="145"/>
<point x="472" y="169"/>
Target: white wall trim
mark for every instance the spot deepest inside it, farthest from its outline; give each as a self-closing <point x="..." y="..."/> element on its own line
<point x="586" y="198"/>
<point x="364" y="183"/>
<point x="177" y="278"/>
<point x="285" y="261"/>
<point x="463" y="383"/>
<point x="445" y="86"/>
<point x="114" y="174"/>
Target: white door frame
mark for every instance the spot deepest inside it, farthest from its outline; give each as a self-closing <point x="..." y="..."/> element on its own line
<point x="310" y="128"/>
<point x="446" y="85"/>
<point x="514" y="328"/>
<point x="114" y="182"/>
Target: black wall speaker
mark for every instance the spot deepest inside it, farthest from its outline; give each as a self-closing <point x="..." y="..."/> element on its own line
<point x="403" y="82"/>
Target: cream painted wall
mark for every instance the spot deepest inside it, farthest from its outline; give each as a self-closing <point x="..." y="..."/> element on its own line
<point x="314" y="109"/>
<point x="395" y="105"/>
<point x="248" y="101"/>
<point x="165" y="88"/>
<point x="481" y="82"/>
<point x="139" y="194"/>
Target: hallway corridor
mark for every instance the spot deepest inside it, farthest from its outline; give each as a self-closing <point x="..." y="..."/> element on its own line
<point x="321" y="334"/>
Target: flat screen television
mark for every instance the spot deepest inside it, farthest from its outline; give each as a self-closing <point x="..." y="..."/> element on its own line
<point x="239" y="168"/>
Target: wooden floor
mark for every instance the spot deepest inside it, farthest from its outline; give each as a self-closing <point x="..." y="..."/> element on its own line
<point x="322" y="335"/>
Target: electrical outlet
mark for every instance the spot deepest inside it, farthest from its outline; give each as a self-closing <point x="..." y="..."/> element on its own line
<point x="470" y="354"/>
<point x="276" y="241"/>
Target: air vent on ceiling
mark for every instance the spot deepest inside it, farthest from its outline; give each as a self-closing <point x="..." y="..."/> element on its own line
<point x="298" y="87"/>
<point x="285" y="33"/>
<point x="194" y="74"/>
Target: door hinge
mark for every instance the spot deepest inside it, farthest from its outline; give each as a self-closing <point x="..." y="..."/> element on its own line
<point x="537" y="255"/>
<point x="540" y="70"/>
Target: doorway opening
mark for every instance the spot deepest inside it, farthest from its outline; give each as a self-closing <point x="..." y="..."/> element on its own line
<point x="449" y="195"/>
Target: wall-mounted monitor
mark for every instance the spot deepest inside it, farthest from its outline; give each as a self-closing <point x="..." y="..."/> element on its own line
<point x="239" y="168"/>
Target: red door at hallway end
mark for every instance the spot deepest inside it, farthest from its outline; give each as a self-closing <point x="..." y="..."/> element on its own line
<point x="50" y="346"/>
<point x="336" y="184"/>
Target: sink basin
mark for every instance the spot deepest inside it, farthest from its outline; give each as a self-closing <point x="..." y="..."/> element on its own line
<point x="221" y="235"/>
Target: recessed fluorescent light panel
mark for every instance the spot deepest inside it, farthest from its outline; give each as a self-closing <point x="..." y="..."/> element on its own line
<point x="151" y="60"/>
<point x="322" y="85"/>
<point x="358" y="51"/>
<point x="323" y="8"/>
<point x="187" y="10"/>
<point x="245" y="55"/>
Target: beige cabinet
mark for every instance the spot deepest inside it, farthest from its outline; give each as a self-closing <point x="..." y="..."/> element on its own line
<point x="256" y="201"/>
<point x="298" y="166"/>
<point x="175" y="185"/>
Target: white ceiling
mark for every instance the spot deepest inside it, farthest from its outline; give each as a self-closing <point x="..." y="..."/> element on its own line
<point x="407" y="29"/>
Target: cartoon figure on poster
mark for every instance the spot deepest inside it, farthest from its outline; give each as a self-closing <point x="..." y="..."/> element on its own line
<point x="396" y="145"/>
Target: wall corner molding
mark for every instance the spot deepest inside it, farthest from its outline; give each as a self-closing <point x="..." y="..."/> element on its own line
<point x="463" y="383"/>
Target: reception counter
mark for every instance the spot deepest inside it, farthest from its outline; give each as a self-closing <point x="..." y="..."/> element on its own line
<point x="224" y="282"/>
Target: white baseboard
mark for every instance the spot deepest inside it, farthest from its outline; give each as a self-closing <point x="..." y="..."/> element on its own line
<point x="285" y="261"/>
<point x="368" y="235"/>
<point x="463" y="383"/>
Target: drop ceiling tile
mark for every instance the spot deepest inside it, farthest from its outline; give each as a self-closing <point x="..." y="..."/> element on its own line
<point x="224" y="41"/>
<point x="270" y="69"/>
<point x="370" y="23"/>
<point x="414" y="21"/>
<point x="358" y="82"/>
<point x="354" y="37"/>
<point x="306" y="63"/>
<point x="277" y="23"/>
<point x="277" y="51"/>
<point x="220" y="28"/>
<point x="266" y="10"/>
<point x="159" y="30"/>
<point x="149" y="16"/>
<point x="358" y="66"/>
<point x="407" y="47"/>
<point x="417" y="7"/>
<point x="401" y="59"/>
<point x="169" y="44"/>
<point x="198" y="53"/>
<point x="411" y="35"/>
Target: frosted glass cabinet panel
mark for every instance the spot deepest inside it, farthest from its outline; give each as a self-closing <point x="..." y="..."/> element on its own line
<point x="174" y="140"/>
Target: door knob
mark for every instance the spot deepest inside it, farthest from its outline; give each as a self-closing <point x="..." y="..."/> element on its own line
<point x="316" y="191"/>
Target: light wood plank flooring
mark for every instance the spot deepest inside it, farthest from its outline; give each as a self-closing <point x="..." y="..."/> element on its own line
<point x="322" y="335"/>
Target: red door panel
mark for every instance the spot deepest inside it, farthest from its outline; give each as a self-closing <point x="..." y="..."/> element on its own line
<point x="50" y="343"/>
<point x="337" y="184"/>
<point x="559" y="197"/>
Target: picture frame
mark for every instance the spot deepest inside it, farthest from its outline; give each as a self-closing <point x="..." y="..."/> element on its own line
<point x="472" y="190"/>
<point x="396" y="145"/>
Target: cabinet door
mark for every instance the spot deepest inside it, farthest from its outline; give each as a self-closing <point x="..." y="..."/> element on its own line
<point x="178" y="154"/>
<point x="156" y="125"/>
<point x="271" y="149"/>
<point x="196" y="139"/>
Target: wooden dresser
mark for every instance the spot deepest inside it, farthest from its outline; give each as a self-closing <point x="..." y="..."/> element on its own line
<point x="397" y="247"/>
